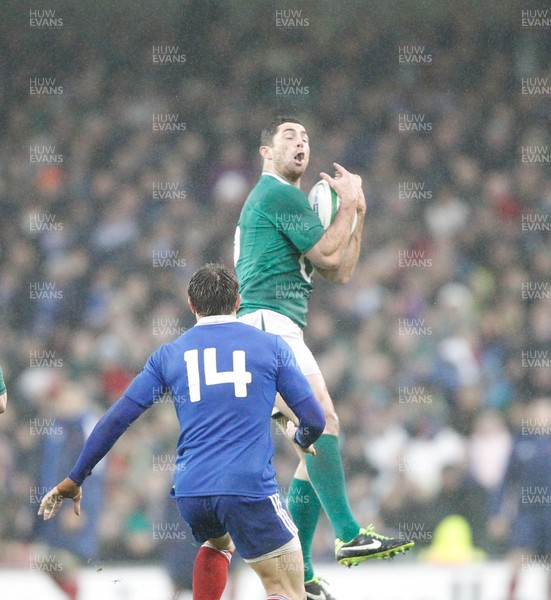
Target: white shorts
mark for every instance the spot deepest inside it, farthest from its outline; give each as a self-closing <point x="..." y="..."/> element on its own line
<point x="274" y="322"/>
<point x="291" y="546"/>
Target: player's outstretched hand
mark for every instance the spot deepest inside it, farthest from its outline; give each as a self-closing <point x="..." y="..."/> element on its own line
<point x="51" y="503"/>
<point x="347" y="185"/>
<point x="290" y="433"/>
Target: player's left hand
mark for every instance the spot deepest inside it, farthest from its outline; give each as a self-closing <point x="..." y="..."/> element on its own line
<point x="51" y="503"/>
<point x="290" y="433"/>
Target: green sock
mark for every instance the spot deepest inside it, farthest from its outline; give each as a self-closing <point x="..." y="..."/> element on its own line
<point x="327" y="476"/>
<point x="305" y="509"/>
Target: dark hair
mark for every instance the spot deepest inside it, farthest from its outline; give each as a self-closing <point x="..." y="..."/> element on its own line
<point x="213" y="290"/>
<point x="267" y="135"/>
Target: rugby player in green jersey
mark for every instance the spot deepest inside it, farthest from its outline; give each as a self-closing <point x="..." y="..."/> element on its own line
<point x="279" y="242"/>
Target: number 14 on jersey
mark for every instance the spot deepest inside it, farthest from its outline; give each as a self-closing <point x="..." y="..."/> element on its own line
<point x="239" y="376"/>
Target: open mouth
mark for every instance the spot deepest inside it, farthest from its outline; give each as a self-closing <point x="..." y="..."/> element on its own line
<point x="299" y="158"/>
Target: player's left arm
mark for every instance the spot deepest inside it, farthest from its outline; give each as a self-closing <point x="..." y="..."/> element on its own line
<point x="103" y="437"/>
<point x="345" y="270"/>
<point x="138" y="397"/>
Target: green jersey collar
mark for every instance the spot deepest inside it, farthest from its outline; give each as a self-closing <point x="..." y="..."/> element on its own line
<point x="275" y="176"/>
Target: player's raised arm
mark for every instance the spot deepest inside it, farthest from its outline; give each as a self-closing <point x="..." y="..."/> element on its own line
<point x="335" y="255"/>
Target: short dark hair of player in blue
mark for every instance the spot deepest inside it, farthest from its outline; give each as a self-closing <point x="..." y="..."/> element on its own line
<point x="213" y="290"/>
<point x="267" y="135"/>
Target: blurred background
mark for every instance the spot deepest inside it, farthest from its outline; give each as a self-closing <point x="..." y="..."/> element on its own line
<point x="130" y="134"/>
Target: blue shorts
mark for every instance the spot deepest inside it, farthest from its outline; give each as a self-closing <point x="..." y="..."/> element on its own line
<point x="257" y="525"/>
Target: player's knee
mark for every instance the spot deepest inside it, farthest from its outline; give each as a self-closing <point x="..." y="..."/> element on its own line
<point x="331" y="422"/>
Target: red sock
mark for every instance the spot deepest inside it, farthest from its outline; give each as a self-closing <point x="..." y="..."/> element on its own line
<point x="210" y="573"/>
<point x="69" y="586"/>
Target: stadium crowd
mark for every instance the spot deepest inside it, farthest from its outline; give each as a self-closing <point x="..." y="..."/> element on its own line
<point x="432" y="352"/>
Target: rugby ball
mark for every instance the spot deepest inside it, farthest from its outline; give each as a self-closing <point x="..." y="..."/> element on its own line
<point x="325" y="202"/>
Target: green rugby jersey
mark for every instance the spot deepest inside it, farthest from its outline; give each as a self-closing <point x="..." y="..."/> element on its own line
<point x="276" y="227"/>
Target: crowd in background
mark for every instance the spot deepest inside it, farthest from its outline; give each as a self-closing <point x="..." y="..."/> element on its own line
<point x="431" y="352"/>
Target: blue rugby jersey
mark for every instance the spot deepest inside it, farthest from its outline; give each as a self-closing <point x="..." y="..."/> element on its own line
<point x="223" y="376"/>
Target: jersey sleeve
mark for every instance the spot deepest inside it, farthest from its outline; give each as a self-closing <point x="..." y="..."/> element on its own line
<point x="291" y="213"/>
<point x="104" y="435"/>
<point x="149" y="384"/>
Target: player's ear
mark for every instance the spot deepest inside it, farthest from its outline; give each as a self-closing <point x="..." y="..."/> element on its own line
<point x="238" y="302"/>
<point x="191" y="307"/>
<point x="265" y="152"/>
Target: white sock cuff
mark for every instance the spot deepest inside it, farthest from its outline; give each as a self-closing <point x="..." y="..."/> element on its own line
<point x="227" y="553"/>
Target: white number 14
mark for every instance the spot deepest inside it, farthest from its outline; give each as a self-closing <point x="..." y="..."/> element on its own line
<point x="240" y="377"/>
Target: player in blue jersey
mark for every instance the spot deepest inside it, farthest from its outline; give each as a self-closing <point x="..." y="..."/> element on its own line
<point x="223" y="376"/>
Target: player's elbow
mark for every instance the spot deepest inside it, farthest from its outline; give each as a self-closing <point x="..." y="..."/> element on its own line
<point x="342" y="277"/>
<point x="335" y="276"/>
<point x="3" y="403"/>
<point x="328" y="263"/>
<point x="325" y="256"/>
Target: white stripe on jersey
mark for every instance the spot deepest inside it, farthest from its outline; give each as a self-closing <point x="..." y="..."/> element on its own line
<point x="283" y="514"/>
